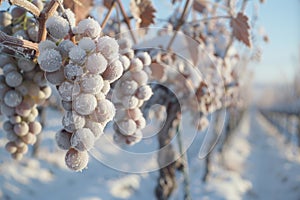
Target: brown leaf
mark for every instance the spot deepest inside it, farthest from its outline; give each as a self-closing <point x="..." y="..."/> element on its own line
<point x="81" y="8"/>
<point x="144" y="11"/>
<point x="107" y="3"/>
<point x="199" y="5"/>
<point x="240" y="28"/>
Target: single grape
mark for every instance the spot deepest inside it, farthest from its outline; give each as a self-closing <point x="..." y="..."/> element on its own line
<point x="26" y="65"/>
<point x="88" y="28"/>
<point x="128" y="87"/>
<point x="136" y="65"/>
<point x="72" y="121"/>
<point x="105" y="111"/>
<point x="63" y="139"/>
<point x="130" y="102"/>
<point x="35" y="127"/>
<point x="64" y="47"/>
<point x="83" y="139"/>
<point x="50" y="60"/>
<point x="113" y="71"/>
<point x="140" y="77"/>
<point x="46" y="45"/>
<point x="87" y="44"/>
<point x="144" y="92"/>
<point x="95" y="127"/>
<point x="56" y="77"/>
<point x="57" y="26"/>
<point x="127" y="127"/>
<point x="12" y="98"/>
<point x="77" y="55"/>
<point x="76" y="160"/>
<point x="73" y="71"/>
<point x="21" y="129"/>
<point x="85" y="104"/>
<point x="11" y="147"/>
<point x="91" y="83"/>
<point x="108" y="47"/>
<point x="96" y="63"/>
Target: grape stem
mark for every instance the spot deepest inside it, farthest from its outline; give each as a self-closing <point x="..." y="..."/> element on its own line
<point x="30" y="7"/>
<point x="127" y="20"/>
<point x="18" y="45"/>
<point x="108" y="14"/>
<point x="45" y="14"/>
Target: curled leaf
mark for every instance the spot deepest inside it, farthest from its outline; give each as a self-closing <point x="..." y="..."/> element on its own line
<point x="240" y="28"/>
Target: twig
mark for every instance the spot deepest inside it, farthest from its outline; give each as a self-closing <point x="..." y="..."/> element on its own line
<point x="108" y="14"/>
<point x="26" y="5"/>
<point x="17" y="44"/>
<point x="180" y="23"/>
<point x="45" y="14"/>
<point x="127" y="20"/>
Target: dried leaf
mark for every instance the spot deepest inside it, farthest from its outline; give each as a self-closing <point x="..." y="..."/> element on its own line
<point x="107" y="3"/>
<point x="240" y="28"/>
<point x="144" y="11"/>
<point x="199" y="5"/>
<point x="81" y="8"/>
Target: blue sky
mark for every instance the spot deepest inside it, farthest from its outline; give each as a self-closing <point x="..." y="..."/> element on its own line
<point x="281" y="20"/>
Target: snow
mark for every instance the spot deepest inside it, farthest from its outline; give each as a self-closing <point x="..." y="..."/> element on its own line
<point x="256" y="164"/>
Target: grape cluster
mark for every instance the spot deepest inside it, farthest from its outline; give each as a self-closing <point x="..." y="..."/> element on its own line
<point x="22" y="88"/>
<point x="130" y="92"/>
<point x="82" y="73"/>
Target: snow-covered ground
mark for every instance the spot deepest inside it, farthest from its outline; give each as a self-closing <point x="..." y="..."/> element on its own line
<point x="257" y="164"/>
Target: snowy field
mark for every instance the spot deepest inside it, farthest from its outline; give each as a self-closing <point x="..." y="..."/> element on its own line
<point x="258" y="164"/>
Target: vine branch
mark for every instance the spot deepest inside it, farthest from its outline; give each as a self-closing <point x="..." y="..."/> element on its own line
<point x="108" y="14"/>
<point x="30" y="7"/>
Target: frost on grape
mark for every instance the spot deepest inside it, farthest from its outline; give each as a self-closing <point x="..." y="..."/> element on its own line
<point x="77" y="55"/>
<point x="72" y="121"/>
<point x="88" y="28"/>
<point x="57" y="26"/>
<point x="108" y="47"/>
<point x="84" y="104"/>
<point x="76" y="160"/>
<point x="50" y="60"/>
<point x="83" y="139"/>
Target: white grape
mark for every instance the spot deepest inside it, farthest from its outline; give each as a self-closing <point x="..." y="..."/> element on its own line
<point x="91" y="83"/>
<point x="108" y="47"/>
<point x="96" y="63"/>
<point x="106" y="87"/>
<point x="84" y="104"/>
<point x="83" y="139"/>
<point x="12" y="98"/>
<point x="35" y="127"/>
<point x="140" y="123"/>
<point x="72" y="121"/>
<point x="50" y="60"/>
<point x="57" y="26"/>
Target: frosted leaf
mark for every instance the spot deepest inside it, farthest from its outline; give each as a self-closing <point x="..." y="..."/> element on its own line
<point x="128" y="87"/>
<point x="108" y="47"/>
<point x="72" y="121"/>
<point x="12" y="98"/>
<point x="106" y="87"/>
<point x="72" y="71"/>
<point x="130" y="102"/>
<point x="125" y="43"/>
<point x="50" y="60"/>
<point x="46" y="45"/>
<point x="67" y="90"/>
<point x="96" y="63"/>
<point x="35" y="127"/>
<point x="95" y="127"/>
<point x="88" y="28"/>
<point x="9" y="67"/>
<point x="144" y="92"/>
<point x="125" y="62"/>
<point x="136" y="65"/>
<point x="6" y="110"/>
<point x="56" y="77"/>
<point x="77" y="55"/>
<point x="64" y="47"/>
<point x="57" y="26"/>
<point x="87" y="44"/>
<point x="91" y="83"/>
<point x="63" y="139"/>
<point x="126" y="127"/>
<point x="83" y="139"/>
<point x="140" y="123"/>
<point x="145" y="58"/>
<point x="113" y="71"/>
<point x="13" y="79"/>
<point x="76" y="160"/>
<point x="105" y="111"/>
<point x="84" y="104"/>
<point x="21" y="129"/>
<point x="140" y="77"/>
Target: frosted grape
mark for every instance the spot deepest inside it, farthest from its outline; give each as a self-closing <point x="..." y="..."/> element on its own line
<point x="91" y="83"/>
<point x="140" y="123"/>
<point x="88" y="28"/>
<point x="63" y="139"/>
<point x="72" y="121"/>
<point x="83" y="139"/>
<point x="57" y="26"/>
<point x="95" y="127"/>
<point x="46" y="45"/>
<point x="136" y="65"/>
<point x="96" y="63"/>
<point x="77" y="55"/>
<point x="108" y="47"/>
<point x="140" y="77"/>
<point x="67" y="90"/>
<point x="105" y="111"/>
<point x="144" y="92"/>
<point x="130" y="102"/>
<point x="65" y="47"/>
<point x="87" y="44"/>
<point x="72" y="71"/>
<point x="50" y="60"/>
<point x="113" y="71"/>
<point x="125" y="62"/>
<point x="70" y="17"/>
<point x="12" y="98"/>
<point x="106" y="87"/>
<point x="76" y="160"/>
<point x="84" y="104"/>
<point x="127" y="127"/>
<point x="13" y="79"/>
<point x="128" y="87"/>
<point x="145" y="58"/>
